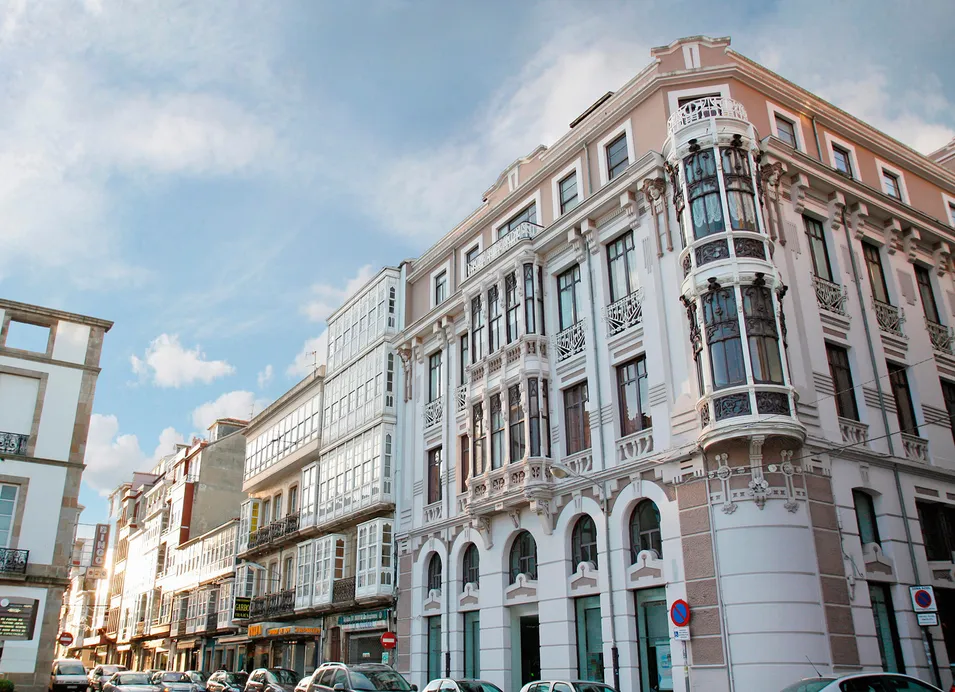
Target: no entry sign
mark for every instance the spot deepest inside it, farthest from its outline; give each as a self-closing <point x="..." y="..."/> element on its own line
<point x="65" y="639"/>
<point x="389" y="640"/>
<point x="680" y="613"/>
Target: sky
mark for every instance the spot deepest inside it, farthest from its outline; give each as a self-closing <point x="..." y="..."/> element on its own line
<point x="216" y="176"/>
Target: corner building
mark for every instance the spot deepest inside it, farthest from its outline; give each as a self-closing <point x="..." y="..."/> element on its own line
<point x="699" y="348"/>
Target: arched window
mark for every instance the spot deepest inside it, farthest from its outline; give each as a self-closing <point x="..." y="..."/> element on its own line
<point x="434" y="573"/>
<point x="583" y="542"/>
<point x="471" y="566"/>
<point x="645" y="530"/>
<point x="523" y="556"/>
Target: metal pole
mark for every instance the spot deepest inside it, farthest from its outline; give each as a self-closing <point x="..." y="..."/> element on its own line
<point x="932" y="658"/>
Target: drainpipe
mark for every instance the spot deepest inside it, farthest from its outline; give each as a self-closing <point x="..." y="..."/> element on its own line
<point x="614" y="652"/>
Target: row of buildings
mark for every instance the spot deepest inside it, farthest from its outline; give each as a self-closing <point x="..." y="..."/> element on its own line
<point x="699" y="349"/>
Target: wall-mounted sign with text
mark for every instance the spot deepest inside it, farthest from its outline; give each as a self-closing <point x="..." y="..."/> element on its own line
<point x="17" y="618"/>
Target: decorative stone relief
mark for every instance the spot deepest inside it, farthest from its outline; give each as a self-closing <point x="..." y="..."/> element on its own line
<point x="584" y="580"/>
<point x="523" y="590"/>
<point x="470" y="596"/>
<point x="646" y="571"/>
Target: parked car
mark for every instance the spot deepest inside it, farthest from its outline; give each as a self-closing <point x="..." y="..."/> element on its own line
<point x="68" y="675"/>
<point x="566" y="686"/>
<point x="302" y="685"/>
<point x="128" y="681"/>
<point x="101" y="674"/>
<point x="463" y="685"/>
<point x="224" y="681"/>
<point x="199" y="678"/>
<point x="172" y="681"/>
<point x="272" y="680"/>
<point x="862" y="682"/>
<point x="332" y="677"/>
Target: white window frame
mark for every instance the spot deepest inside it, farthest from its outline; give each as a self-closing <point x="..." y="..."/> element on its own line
<point x="673" y="97"/>
<point x="949" y="202"/>
<point x="775" y="110"/>
<point x="880" y="166"/>
<point x="625" y="127"/>
<point x="467" y="247"/>
<point x="446" y="267"/>
<point x="843" y="144"/>
<point x="374" y="550"/>
<point x="575" y="167"/>
<point x="515" y="210"/>
<point x="13" y="515"/>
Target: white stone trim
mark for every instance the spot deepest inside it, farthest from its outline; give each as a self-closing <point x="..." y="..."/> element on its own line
<point x="625" y="126"/>
<point x="574" y="167"/>
<point x="515" y="210"/>
<point x="478" y="241"/>
<point x="673" y="97"/>
<point x="691" y="55"/>
<point x="843" y="144"/>
<point x="775" y="110"/>
<point x="949" y="203"/>
<point x="881" y="165"/>
<point x="446" y="267"/>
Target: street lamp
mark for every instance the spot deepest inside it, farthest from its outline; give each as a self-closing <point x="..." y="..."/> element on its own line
<point x="560" y="472"/>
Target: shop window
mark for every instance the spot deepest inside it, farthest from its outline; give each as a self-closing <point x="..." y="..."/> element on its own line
<point x="523" y="557"/>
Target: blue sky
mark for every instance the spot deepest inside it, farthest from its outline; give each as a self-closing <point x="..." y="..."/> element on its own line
<point x="215" y="177"/>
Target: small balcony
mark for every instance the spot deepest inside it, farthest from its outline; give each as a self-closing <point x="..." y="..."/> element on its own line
<point x="704" y="109"/>
<point x="434" y="412"/>
<point x="748" y="410"/>
<point x="915" y="448"/>
<point x="14" y="561"/>
<point x="524" y="231"/>
<point x="941" y="336"/>
<point x="526" y="354"/>
<point x="273" y="604"/>
<point x="889" y="317"/>
<point x="499" y="488"/>
<point x="343" y="590"/>
<point x="13" y="443"/>
<point x="853" y="432"/>
<point x="570" y="341"/>
<point x="830" y="296"/>
<point x="624" y="313"/>
<point x="433" y="512"/>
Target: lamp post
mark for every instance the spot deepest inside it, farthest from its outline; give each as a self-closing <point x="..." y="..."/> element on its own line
<point x="560" y="471"/>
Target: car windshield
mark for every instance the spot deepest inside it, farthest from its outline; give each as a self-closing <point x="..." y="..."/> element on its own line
<point x="70" y="668"/>
<point x="809" y="685"/>
<point x="475" y="686"/>
<point x="175" y="677"/>
<point x="131" y="679"/>
<point x="380" y="680"/>
<point x="283" y="676"/>
<point x="109" y="670"/>
<point x="592" y="687"/>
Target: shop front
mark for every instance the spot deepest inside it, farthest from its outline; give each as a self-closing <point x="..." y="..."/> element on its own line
<point x="278" y="645"/>
<point x="186" y="654"/>
<point x="230" y="653"/>
<point x="356" y="637"/>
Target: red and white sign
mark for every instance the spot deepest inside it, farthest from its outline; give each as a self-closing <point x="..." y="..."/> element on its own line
<point x="100" y="545"/>
<point x="680" y="613"/>
<point x="65" y="639"/>
<point x="923" y="599"/>
<point x="389" y="640"/>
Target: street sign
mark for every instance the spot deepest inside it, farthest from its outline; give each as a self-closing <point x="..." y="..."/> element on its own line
<point x="65" y="639"/>
<point x="923" y="599"/>
<point x="682" y="634"/>
<point x="680" y="613"/>
<point x="927" y="619"/>
<point x="389" y="640"/>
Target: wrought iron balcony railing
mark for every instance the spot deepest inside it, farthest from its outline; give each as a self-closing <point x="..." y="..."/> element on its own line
<point x="889" y="317"/>
<point x="704" y="109"/>
<point x="270" y="605"/>
<point x="14" y="561"/>
<point x="830" y="296"/>
<point x="524" y="231"/>
<point x="570" y="341"/>
<point x="434" y="412"/>
<point x="624" y="313"/>
<point x="942" y="337"/>
<point x="13" y="443"/>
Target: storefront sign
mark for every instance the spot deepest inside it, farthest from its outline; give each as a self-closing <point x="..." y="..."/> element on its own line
<point x="369" y="620"/>
<point x="261" y="629"/>
<point x="17" y="618"/>
<point x="96" y="573"/>
<point x="100" y="544"/>
<point x="241" y="608"/>
<point x="295" y="630"/>
<point x="256" y="630"/>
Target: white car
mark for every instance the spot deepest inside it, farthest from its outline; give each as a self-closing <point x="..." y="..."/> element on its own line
<point x="460" y="685"/>
<point x="566" y="686"/>
<point x="863" y="682"/>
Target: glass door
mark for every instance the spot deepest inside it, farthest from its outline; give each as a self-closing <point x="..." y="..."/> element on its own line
<point x="653" y="634"/>
<point x="472" y="644"/>
<point x="590" y="657"/>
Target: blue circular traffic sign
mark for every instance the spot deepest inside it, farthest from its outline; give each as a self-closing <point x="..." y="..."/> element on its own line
<point x="680" y="613"/>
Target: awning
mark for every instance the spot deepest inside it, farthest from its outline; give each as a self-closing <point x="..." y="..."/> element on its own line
<point x="186" y="644"/>
<point x="123" y="647"/>
<point x="233" y="639"/>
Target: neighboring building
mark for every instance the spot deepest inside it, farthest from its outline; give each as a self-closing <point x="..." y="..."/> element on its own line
<point x="162" y="519"/>
<point x="325" y="568"/>
<point x="49" y="362"/>
<point x="605" y="412"/>
<point x="79" y="600"/>
<point x="945" y="156"/>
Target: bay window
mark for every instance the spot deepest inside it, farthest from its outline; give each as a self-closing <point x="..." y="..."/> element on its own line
<point x="511" y="303"/>
<point x="516" y="423"/>
<point x="703" y="193"/>
<point x="478" y="429"/>
<point x="723" y="338"/>
<point x="497" y="432"/>
<point x="373" y="572"/>
<point x="761" y="334"/>
<point x="740" y="195"/>
<point x="538" y="418"/>
<point x="477" y="330"/>
<point x="530" y="313"/>
<point x="493" y="319"/>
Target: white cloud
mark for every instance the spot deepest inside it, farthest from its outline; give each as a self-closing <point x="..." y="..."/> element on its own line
<point x="265" y="376"/>
<point x="171" y="365"/>
<point x="314" y="353"/>
<point x="325" y="298"/>
<point x="238" y="404"/>
<point x="111" y="456"/>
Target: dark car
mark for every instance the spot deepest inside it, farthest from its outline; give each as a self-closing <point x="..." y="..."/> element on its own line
<point x="272" y="680"/>
<point x="362" y="677"/>
<point x="100" y="674"/>
<point x="224" y="681"/>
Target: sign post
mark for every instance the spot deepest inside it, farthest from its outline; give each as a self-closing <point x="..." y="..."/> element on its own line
<point x="926" y="610"/>
<point x="680" y="617"/>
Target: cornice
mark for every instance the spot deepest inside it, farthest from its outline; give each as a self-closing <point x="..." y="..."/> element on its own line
<point x="26" y="308"/>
